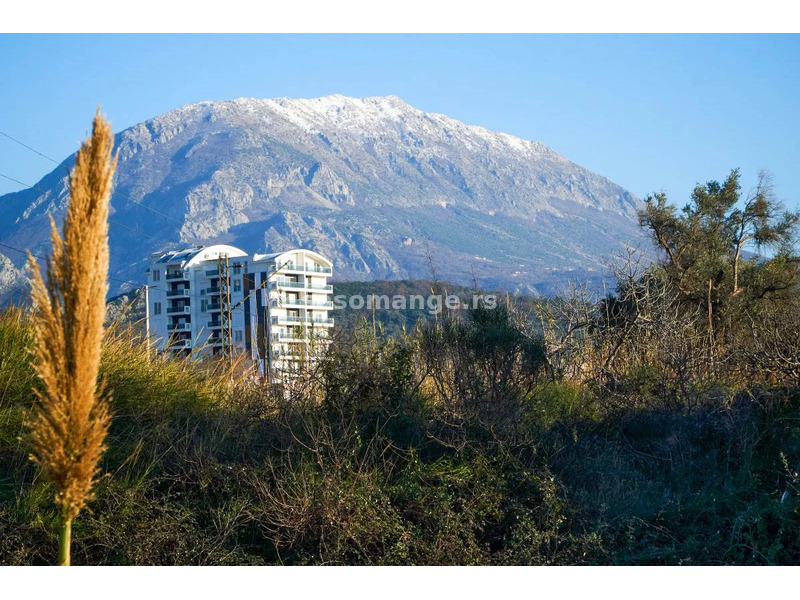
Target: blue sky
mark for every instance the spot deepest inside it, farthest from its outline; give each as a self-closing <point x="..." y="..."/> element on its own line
<point x="649" y="112"/>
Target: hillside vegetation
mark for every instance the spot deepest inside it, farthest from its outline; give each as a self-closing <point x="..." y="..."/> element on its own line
<point x="658" y="425"/>
<point x="128" y="310"/>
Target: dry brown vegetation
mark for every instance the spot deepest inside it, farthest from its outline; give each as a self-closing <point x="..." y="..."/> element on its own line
<point x="71" y="418"/>
<point x="655" y="425"/>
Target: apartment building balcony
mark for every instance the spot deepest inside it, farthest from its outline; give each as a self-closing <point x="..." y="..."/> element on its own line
<point x="279" y="302"/>
<point x="281" y="320"/>
<point x="305" y="269"/>
<point x="179" y="327"/>
<point x="328" y="322"/>
<point x="179" y="344"/>
<point x="299" y="285"/>
<point x="212" y="290"/>
<point x="178" y="310"/>
<point x="211" y="272"/>
<point x="291" y="285"/>
<point x="185" y="293"/>
<point x="289" y="337"/>
<point x="289" y="356"/>
<point x="214" y="324"/>
<point x="172" y="275"/>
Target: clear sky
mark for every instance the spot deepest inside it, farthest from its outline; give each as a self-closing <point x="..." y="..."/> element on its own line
<point x="649" y="112"/>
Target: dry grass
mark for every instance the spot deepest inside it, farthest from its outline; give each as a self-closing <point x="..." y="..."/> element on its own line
<point x="71" y="418"/>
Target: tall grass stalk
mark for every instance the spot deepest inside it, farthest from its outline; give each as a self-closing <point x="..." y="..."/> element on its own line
<point x="71" y="418"/>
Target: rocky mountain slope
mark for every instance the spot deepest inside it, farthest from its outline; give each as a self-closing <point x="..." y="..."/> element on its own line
<point x="384" y="189"/>
<point x="12" y="281"/>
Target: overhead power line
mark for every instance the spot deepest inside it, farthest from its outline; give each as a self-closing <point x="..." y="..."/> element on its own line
<point x="61" y="164"/>
<point x="113" y="194"/>
<point x="115" y="222"/>
<point x="34" y="150"/>
<point x="4" y="245"/>
<point x="40" y="257"/>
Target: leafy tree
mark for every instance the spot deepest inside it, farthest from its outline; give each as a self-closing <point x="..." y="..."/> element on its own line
<point x="704" y="242"/>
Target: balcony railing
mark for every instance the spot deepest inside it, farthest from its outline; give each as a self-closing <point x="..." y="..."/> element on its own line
<point x="186" y="310"/>
<point x="180" y="327"/>
<point x="212" y="273"/>
<point x="177" y="275"/>
<point x="306" y="320"/>
<point x="299" y="285"/>
<point x="305" y="269"/>
<point x="182" y="343"/>
<point x="289" y="338"/>
<point x="214" y="324"/>
<point x="288" y="355"/>
<point x="212" y="290"/>
<point x="288" y="284"/>
<point x="182" y="292"/>
<point x="277" y="302"/>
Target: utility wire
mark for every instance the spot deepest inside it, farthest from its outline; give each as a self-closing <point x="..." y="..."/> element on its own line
<point x="22" y="251"/>
<point x="34" y="150"/>
<point x="61" y="164"/>
<point x="40" y="257"/>
<point x="110" y="220"/>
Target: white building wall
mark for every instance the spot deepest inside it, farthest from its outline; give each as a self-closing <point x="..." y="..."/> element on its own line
<point x="295" y="303"/>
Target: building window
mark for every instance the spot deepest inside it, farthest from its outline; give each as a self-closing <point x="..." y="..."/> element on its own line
<point x="237" y="270"/>
<point x="237" y="335"/>
<point x="237" y="285"/>
<point x="203" y="305"/>
<point x="156" y="275"/>
<point x="157" y="308"/>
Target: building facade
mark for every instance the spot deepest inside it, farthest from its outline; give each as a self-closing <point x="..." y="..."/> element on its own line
<point x="211" y="300"/>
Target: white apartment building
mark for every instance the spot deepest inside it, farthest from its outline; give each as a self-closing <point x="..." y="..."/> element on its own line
<point x="272" y="307"/>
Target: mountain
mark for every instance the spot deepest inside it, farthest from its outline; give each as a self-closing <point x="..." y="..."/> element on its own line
<point x="384" y="189"/>
<point x="12" y="281"/>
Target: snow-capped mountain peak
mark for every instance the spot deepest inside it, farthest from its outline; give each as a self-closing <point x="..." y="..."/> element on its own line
<point x="373" y="182"/>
